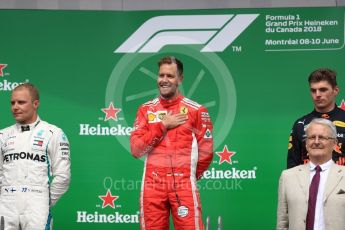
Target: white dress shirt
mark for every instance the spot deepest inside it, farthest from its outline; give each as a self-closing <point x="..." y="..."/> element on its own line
<point x="319" y="222"/>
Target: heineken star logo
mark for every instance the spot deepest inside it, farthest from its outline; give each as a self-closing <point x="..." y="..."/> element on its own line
<point x="108" y="199"/>
<point x="2" y="67"/>
<point x="225" y="155"/>
<point x="111" y="112"/>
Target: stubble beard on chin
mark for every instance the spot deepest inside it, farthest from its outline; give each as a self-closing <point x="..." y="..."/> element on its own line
<point x="167" y="96"/>
<point x="20" y="121"/>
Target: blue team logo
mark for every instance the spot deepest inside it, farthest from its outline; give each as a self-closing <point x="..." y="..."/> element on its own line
<point x="64" y="137"/>
<point x="40" y="133"/>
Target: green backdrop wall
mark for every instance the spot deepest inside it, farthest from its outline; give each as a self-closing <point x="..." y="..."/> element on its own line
<point x="248" y="66"/>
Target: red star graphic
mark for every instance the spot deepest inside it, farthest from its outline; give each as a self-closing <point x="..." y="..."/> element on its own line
<point x="2" y="67"/>
<point x="342" y="105"/>
<point x="108" y="199"/>
<point x="225" y="155"/>
<point x="111" y="112"/>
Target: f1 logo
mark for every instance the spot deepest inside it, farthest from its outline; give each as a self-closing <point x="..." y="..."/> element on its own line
<point x="216" y="32"/>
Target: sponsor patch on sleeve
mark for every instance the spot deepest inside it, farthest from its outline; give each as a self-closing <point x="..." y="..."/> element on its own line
<point x="208" y="134"/>
<point x="339" y="123"/>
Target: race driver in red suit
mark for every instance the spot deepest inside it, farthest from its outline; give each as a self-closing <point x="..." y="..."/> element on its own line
<point x="175" y="135"/>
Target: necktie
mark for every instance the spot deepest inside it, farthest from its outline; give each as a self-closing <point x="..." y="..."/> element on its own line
<point x="2" y="225"/>
<point x="313" y="189"/>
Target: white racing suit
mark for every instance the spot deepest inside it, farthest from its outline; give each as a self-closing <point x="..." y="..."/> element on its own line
<point x="34" y="174"/>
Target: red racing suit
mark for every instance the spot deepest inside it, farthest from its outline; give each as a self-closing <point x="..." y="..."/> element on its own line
<point x="175" y="159"/>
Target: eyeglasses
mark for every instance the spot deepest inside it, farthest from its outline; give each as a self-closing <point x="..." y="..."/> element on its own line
<point x="320" y="138"/>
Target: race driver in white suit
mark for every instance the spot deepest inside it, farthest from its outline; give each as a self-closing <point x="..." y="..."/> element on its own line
<point x="34" y="165"/>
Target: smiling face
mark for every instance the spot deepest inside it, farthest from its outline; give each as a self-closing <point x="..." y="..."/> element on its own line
<point x="23" y="107"/>
<point x="168" y="81"/>
<point x="320" y="143"/>
<point x="323" y="95"/>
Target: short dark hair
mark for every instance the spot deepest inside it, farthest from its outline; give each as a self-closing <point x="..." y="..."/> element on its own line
<point x="323" y="74"/>
<point x="170" y="60"/>
<point x="35" y="95"/>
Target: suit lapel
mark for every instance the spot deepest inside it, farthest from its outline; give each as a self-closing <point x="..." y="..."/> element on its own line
<point x="303" y="176"/>
<point x="334" y="177"/>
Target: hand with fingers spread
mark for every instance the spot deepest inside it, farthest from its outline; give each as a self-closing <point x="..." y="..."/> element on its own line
<point x="171" y="121"/>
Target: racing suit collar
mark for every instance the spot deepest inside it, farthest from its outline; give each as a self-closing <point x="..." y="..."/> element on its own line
<point x="166" y="103"/>
<point x="27" y="127"/>
<point x="328" y="114"/>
